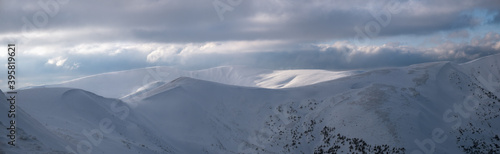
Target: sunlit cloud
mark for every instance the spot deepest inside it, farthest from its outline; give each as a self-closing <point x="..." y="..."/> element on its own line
<point x="121" y="35"/>
<point x="58" y="61"/>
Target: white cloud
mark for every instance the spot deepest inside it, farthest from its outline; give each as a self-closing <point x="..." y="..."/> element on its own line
<point x="61" y="62"/>
<point x="169" y="52"/>
<point x="73" y="66"/>
<point x="497" y="46"/>
<point x="58" y="61"/>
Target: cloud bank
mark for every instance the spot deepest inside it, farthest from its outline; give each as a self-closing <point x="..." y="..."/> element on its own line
<point x="86" y="37"/>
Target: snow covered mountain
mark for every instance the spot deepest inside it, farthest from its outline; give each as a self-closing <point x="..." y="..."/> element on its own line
<point x="439" y="107"/>
<point x="122" y="83"/>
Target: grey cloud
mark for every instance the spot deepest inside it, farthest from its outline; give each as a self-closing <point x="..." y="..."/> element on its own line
<point x="459" y="34"/>
<point x="347" y="56"/>
<point x="496" y="19"/>
<point x="341" y="56"/>
<point x="197" y="21"/>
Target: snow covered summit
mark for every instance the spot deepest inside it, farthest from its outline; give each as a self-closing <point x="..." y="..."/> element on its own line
<point x="439" y="107"/>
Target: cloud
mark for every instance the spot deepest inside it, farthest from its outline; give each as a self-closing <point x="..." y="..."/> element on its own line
<point x="497" y="18"/>
<point x="343" y="55"/>
<point x="459" y="34"/>
<point x="61" y="62"/>
<point x="488" y="40"/>
<point x="265" y="53"/>
<point x="64" y="37"/>
<point x="497" y="46"/>
<point x="58" y="61"/>
<point x="176" y="22"/>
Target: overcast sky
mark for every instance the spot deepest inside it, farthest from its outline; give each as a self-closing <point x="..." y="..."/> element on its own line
<point x="64" y="39"/>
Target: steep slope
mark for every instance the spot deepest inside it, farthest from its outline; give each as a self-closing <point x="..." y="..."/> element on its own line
<point x="30" y="135"/>
<point x="64" y="120"/>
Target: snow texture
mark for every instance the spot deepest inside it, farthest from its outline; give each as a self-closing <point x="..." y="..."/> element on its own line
<point x="439" y="107"/>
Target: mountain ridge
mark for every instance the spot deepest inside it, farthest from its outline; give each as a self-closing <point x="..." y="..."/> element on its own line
<point x="391" y="110"/>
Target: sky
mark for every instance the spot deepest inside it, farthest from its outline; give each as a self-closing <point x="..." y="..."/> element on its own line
<point x="59" y="40"/>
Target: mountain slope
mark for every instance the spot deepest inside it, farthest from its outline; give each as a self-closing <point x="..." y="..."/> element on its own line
<point x="123" y="83"/>
<point x="64" y="120"/>
<point x="31" y="135"/>
<point x="387" y="109"/>
<point x="439" y="107"/>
